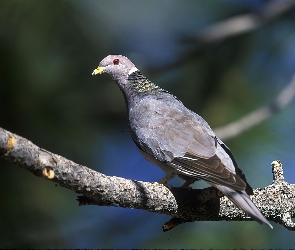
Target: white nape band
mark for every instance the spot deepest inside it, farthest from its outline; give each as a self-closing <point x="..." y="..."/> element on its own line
<point x="132" y="70"/>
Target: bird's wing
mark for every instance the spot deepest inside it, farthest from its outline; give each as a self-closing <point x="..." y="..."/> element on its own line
<point x="211" y="170"/>
<point x="183" y="140"/>
<point x="167" y="132"/>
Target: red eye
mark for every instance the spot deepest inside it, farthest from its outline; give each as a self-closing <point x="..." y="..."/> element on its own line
<point x="116" y="61"/>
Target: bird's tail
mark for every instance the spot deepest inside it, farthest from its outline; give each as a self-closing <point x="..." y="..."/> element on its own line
<point x="243" y="201"/>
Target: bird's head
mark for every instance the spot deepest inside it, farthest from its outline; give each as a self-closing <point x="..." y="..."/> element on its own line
<point x="117" y="66"/>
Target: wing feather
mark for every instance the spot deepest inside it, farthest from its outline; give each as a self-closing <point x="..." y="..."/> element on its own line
<point x="211" y="170"/>
<point x="184" y="141"/>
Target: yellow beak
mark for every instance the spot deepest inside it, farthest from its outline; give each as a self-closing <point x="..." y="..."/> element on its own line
<point x="97" y="71"/>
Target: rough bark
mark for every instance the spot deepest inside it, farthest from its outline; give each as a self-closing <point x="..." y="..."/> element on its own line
<point x="276" y="201"/>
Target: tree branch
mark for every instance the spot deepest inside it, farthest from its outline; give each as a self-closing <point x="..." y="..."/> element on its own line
<point x="260" y="115"/>
<point x="276" y="201"/>
<point x="242" y="23"/>
<point x="230" y="27"/>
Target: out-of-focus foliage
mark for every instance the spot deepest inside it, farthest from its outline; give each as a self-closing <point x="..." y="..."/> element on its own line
<point x="47" y="94"/>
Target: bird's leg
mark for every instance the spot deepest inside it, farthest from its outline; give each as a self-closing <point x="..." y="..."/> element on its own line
<point x="188" y="181"/>
<point x="166" y="178"/>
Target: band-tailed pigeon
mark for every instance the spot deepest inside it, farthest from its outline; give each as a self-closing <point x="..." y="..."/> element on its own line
<point x="175" y="138"/>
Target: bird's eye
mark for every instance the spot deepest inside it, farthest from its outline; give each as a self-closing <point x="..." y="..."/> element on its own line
<point x="116" y="61"/>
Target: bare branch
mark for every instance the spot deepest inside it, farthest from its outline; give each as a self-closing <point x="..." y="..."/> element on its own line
<point x="276" y="201"/>
<point x="231" y="27"/>
<point x="243" y="23"/>
<point x="260" y="115"/>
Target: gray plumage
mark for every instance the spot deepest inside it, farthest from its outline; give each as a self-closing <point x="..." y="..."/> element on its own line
<point x="176" y="139"/>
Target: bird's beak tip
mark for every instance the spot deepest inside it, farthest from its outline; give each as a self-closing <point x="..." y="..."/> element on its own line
<point x="98" y="70"/>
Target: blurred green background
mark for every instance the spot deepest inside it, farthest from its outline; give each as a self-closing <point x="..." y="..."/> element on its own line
<point x="48" y="51"/>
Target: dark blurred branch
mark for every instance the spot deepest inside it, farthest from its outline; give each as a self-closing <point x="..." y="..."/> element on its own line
<point x="275" y="201"/>
<point x="260" y="115"/>
<point x="231" y="27"/>
<point x="243" y="23"/>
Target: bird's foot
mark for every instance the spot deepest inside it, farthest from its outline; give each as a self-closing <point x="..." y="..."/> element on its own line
<point x="166" y="178"/>
<point x="166" y="185"/>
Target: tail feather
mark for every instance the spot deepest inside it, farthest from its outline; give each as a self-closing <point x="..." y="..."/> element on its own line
<point x="243" y="201"/>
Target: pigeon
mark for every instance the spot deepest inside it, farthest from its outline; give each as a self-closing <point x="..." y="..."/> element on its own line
<point x="175" y="138"/>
